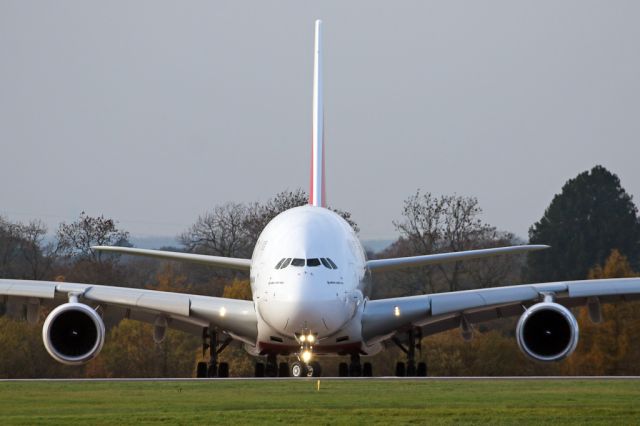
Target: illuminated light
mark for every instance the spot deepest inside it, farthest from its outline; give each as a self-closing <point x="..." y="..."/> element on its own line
<point x="311" y="338"/>
<point x="306" y="356"/>
<point x="223" y="311"/>
<point x="303" y="338"/>
<point x="396" y="311"/>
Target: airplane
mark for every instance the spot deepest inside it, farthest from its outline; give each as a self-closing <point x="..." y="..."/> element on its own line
<point x="310" y="282"/>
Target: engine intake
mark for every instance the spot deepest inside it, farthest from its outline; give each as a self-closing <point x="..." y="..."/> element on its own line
<point x="73" y="333"/>
<point x="547" y="332"/>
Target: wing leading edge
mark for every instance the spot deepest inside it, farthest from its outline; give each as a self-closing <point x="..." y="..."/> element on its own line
<point x="186" y="312"/>
<point x="439" y="258"/>
<point x="219" y="261"/>
<point x="434" y="313"/>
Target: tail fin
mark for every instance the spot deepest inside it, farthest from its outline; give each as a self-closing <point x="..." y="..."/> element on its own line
<point x="317" y="194"/>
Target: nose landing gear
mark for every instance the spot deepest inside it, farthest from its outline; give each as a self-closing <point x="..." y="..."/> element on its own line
<point x="301" y="369"/>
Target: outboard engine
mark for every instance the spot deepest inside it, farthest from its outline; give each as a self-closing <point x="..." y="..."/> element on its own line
<point x="547" y="332"/>
<point x="73" y="333"/>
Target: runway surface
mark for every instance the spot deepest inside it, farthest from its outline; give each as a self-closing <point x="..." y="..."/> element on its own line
<point x="390" y="378"/>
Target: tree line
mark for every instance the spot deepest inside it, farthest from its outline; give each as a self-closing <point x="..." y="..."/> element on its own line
<point x="592" y="226"/>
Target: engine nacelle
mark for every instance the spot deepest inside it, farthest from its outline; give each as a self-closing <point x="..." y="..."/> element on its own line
<point x="547" y="332"/>
<point x="73" y="333"/>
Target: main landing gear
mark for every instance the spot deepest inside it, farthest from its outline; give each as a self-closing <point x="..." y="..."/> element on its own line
<point x="355" y="368"/>
<point x="271" y="368"/>
<point x="410" y="369"/>
<point x="212" y="368"/>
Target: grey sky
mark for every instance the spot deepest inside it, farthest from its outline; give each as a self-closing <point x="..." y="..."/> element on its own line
<point x="152" y="112"/>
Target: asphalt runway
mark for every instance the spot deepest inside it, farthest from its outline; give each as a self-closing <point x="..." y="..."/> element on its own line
<point x="390" y="378"/>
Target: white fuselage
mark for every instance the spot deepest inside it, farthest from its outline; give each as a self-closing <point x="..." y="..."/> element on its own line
<point x="321" y="288"/>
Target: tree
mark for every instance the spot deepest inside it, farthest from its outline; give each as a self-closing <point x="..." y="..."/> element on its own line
<point x="613" y="346"/>
<point x="232" y="229"/>
<point x="433" y="224"/>
<point x="76" y="239"/>
<point x="592" y="215"/>
<point x="23" y="253"/>
<point x="130" y="351"/>
<point x="82" y="264"/>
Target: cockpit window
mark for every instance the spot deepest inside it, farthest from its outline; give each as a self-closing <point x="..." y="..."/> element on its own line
<point x="297" y="262"/>
<point x="279" y="265"/>
<point x="325" y="263"/>
<point x="313" y="262"/>
<point x="286" y="263"/>
<point x="331" y="263"/>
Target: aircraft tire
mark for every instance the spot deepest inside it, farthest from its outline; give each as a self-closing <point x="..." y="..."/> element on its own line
<point x="259" y="370"/>
<point x="201" y="370"/>
<point x="299" y="369"/>
<point x="400" y="369"/>
<point x="283" y="369"/>
<point x="343" y="369"/>
<point x="367" y="370"/>
<point x="223" y="369"/>
<point x="422" y="369"/>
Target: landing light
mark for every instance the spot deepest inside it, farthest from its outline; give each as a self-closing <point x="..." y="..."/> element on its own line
<point x="311" y="338"/>
<point x="223" y="311"/>
<point x="306" y="356"/>
<point x="303" y="338"/>
<point x="396" y="311"/>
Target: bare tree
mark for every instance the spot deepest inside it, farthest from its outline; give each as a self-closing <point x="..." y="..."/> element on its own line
<point x="433" y="224"/>
<point x="38" y="255"/>
<point x="220" y="232"/>
<point x="74" y="240"/>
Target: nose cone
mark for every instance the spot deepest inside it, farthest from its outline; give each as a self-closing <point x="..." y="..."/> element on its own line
<point x="306" y="304"/>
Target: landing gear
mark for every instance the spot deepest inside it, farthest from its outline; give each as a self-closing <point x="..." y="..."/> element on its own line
<point x="410" y="369"/>
<point x="343" y="369"/>
<point x="283" y="369"/>
<point x="355" y="368"/>
<point x="272" y="368"/>
<point x="299" y="369"/>
<point x="367" y="370"/>
<point x="212" y="368"/>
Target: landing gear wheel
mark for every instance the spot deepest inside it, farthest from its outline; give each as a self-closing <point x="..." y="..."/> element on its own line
<point x="212" y="370"/>
<point x="316" y="369"/>
<point x="283" y="369"/>
<point x="343" y="369"/>
<point x="422" y="369"/>
<point x="223" y="369"/>
<point x="201" y="370"/>
<point x="355" y="369"/>
<point x="271" y="367"/>
<point x="259" y="371"/>
<point x="411" y="369"/>
<point x="367" y="369"/>
<point x="400" y="369"/>
<point x="299" y="369"/>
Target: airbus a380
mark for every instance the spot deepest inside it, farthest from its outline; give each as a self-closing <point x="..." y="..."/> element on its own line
<point x="310" y="281"/>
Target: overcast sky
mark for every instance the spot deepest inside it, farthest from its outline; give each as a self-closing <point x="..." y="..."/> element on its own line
<point x="152" y="112"/>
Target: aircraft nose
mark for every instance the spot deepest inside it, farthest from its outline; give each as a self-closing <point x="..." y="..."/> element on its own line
<point x="307" y="304"/>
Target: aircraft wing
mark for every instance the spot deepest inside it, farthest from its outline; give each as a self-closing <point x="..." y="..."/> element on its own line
<point x="186" y="312"/>
<point x="223" y="262"/>
<point x="434" y="313"/>
<point x="433" y="259"/>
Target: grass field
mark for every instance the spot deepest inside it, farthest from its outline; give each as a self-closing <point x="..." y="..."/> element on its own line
<point x="337" y="402"/>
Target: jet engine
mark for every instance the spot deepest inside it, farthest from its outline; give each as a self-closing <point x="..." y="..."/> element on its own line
<point x="547" y="332"/>
<point x="73" y="333"/>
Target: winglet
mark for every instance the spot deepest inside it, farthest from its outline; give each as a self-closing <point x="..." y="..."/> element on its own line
<point x="317" y="194"/>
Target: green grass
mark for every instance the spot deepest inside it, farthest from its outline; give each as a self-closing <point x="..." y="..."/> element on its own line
<point x="337" y="402"/>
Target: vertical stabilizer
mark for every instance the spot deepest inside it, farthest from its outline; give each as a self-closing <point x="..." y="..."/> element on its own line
<point x="317" y="194"/>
